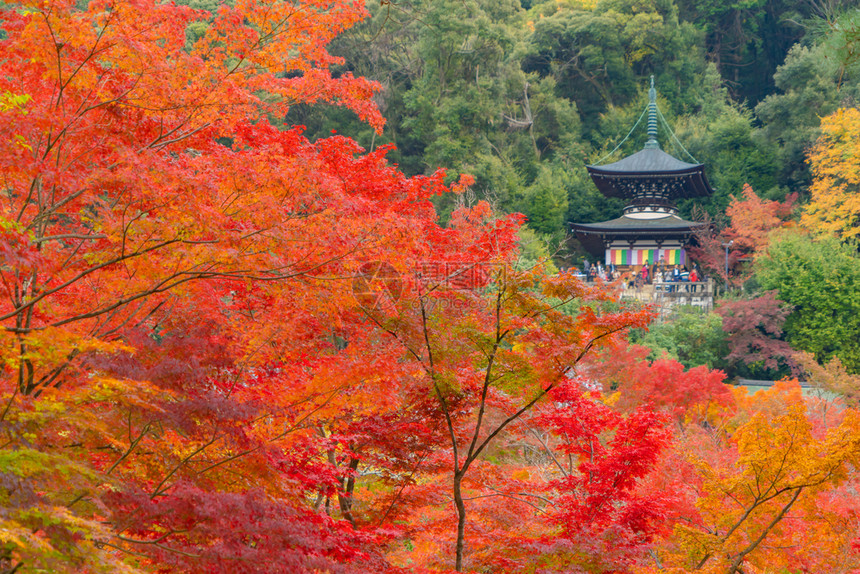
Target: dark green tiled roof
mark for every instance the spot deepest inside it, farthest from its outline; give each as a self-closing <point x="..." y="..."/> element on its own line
<point x="650" y="166"/>
<point x="670" y="223"/>
<point x="650" y="160"/>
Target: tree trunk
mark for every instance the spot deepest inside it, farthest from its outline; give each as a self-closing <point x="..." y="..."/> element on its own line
<point x="461" y="519"/>
<point x="345" y="496"/>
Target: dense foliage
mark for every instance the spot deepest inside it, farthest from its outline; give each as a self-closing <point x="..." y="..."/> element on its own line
<point x="821" y="278"/>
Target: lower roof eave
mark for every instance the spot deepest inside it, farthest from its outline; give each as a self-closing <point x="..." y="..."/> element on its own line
<point x="628" y="231"/>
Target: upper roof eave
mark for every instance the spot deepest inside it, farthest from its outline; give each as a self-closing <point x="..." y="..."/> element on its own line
<point x="695" y="182"/>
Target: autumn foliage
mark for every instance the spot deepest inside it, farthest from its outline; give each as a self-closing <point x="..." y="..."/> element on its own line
<point x="754" y="329"/>
<point x="769" y="490"/>
<point x="835" y="205"/>
<point x="745" y="235"/>
<point x="226" y="348"/>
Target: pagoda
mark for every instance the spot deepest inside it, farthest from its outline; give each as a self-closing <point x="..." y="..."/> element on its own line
<point x="651" y="181"/>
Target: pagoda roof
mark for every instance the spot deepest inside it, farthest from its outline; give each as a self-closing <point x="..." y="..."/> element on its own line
<point x="591" y="234"/>
<point x="649" y="160"/>
<point x="626" y="225"/>
<point x="681" y="179"/>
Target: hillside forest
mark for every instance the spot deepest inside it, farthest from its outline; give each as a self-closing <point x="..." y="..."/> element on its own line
<point x="284" y="288"/>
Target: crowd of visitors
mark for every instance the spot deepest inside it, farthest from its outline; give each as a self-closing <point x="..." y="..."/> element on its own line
<point x="592" y="271"/>
<point x="659" y="273"/>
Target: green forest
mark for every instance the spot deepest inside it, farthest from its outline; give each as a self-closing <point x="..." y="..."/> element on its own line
<point x="522" y="95"/>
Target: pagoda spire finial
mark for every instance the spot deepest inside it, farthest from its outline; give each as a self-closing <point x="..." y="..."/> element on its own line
<point x="652" y="117"/>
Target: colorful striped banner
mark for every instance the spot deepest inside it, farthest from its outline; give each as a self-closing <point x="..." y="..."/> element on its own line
<point x="640" y="256"/>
